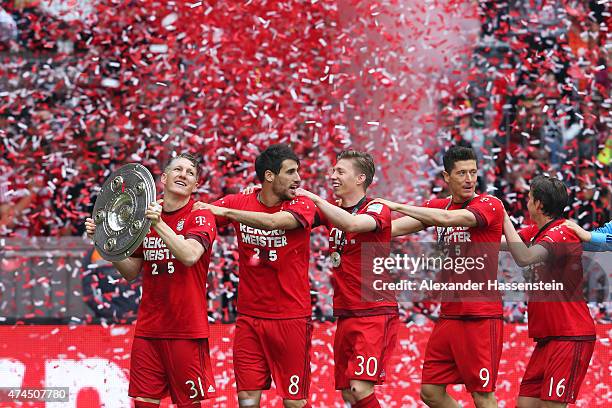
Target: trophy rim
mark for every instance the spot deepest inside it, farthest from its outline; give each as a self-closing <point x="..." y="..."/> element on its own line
<point x="119" y="254"/>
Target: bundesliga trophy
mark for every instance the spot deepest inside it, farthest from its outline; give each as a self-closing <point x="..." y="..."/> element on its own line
<point x="119" y="212"/>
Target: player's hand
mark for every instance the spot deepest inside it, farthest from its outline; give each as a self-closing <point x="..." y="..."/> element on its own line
<point x="584" y="235"/>
<point x="218" y="211"/>
<point x="393" y="206"/>
<point x="251" y="189"/>
<point x="198" y="205"/>
<point x="153" y="213"/>
<point x="90" y="227"/>
<point x="305" y="193"/>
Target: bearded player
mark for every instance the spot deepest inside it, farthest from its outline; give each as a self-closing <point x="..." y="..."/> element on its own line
<point x="466" y="342"/>
<point x="359" y="231"/>
<point x="170" y="352"/>
<point x="274" y="328"/>
<point x="559" y="322"/>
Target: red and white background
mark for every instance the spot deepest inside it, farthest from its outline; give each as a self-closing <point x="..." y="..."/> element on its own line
<point x="93" y="362"/>
<point x="87" y="86"/>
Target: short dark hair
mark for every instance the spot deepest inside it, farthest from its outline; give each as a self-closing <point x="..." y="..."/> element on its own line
<point x="551" y="192"/>
<point x="455" y="154"/>
<point x="188" y="156"/>
<point x="364" y="162"/>
<point x="272" y="159"/>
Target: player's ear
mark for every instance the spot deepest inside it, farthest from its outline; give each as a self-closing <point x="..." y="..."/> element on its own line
<point x="538" y="205"/>
<point x="269" y="176"/>
<point x="446" y="176"/>
<point x="164" y="178"/>
<point x="361" y="179"/>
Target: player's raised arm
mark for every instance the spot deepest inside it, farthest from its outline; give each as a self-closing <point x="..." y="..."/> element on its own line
<point x="280" y="220"/>
<point x="405" y="225"/>
<point x="522" y="254"/>
<point x="340" y="218"/>
<point x="435" y="216"/>
<point x="129" y="268"/>
<point x="598" y="240"/>
<point x="186" y="250"/>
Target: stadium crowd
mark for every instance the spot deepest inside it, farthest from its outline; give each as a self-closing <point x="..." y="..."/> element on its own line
<point x="82" y="95"/>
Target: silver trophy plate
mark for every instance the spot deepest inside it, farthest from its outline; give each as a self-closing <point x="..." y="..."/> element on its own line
<point x="119" y="212"/>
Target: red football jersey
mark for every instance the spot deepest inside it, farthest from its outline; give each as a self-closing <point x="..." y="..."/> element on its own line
<point x="353" y="279"/>
<point x="560" y="318"/>
<point x="480" y="243"/>
<point x="273" y="264"/>
<point x="173" y="301"/>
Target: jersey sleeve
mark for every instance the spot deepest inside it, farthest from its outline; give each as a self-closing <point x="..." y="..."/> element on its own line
<point x="303" y="209"/>
<point x="487" y="210"/>
<point x="603" y="234"/>
<point x="380" y="213"/>
<point x="200" y="225"/>
<point x="597" y="246"/>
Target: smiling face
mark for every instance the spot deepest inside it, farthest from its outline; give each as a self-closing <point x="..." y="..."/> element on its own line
<point x="286" y="181"/>
<point x="345" y="178"/>
<point x="180" y="178"/>
<point x="462" y="179"/>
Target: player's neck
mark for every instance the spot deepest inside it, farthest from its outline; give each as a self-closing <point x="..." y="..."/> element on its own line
<point x="541" y="220"/>
<point x="173" y="203"/>
<point x="457" y="199"/>
<point x="350" y="199"/>
<point x="268" y="198"/>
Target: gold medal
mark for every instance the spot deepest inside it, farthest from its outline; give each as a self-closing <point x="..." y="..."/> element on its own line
<point x="335" y="259"/>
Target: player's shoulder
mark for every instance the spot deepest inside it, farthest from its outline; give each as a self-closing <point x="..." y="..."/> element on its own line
<point x="376" y="208"/>
<point x="560" y="234"/>
<point x="299" y="201"/>
<point x="528" y="231"/>
<point x="437" y="202"/>
<point x="238" y="199"/>
<point x="488" y="200"/>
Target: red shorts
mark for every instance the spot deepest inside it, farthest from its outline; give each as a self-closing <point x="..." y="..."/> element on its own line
<point x="362" y="347"/>
<point x="556" y="370"/>
<point x="464" y="352"/>
<point x="180" y="367"/>
<point x="266" y="349"/>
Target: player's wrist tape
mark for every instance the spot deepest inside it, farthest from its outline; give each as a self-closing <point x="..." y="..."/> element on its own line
<point x="247" y="402"/>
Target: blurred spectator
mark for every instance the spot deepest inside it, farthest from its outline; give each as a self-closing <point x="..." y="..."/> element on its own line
<point x="16" y="199"/>
<point x="112" y="298"/>
<point x="8" y="27"/>
<point x="591" y="205"/>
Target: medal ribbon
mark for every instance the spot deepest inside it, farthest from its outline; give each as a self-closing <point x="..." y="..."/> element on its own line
<point x="340" y="246"/>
